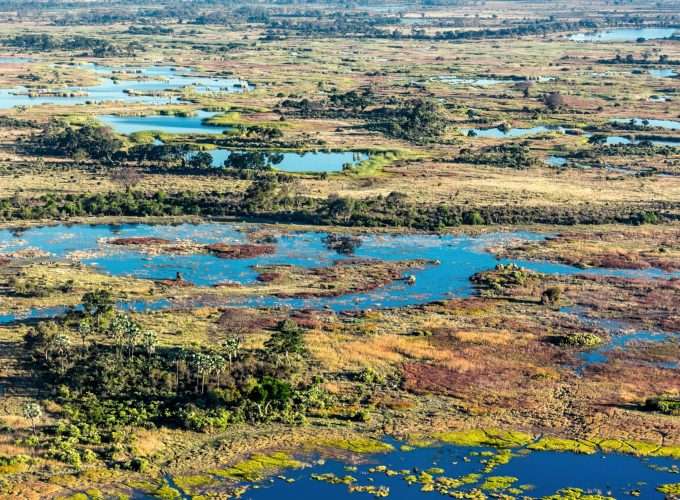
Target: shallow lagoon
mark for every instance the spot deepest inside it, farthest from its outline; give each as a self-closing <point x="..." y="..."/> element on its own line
<point x="639" y="122"/>
<point x="459" y="257"/>
<point x="625" y="35"/>
<point x="537" y="474"/>
<point x="662" y="73"/>
<point x="149" y="86"/>
<point x="616" y="140"/>
<point x="313" y="161"/>
<point x="497" y="133"/>
<point x="168" y="124"/>
<point x="476" y="82"/>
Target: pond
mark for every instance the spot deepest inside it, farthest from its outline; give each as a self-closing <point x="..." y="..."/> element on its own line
<point x="15" y="60"/>
<point x="556" y="161"/>
<point x="454" y="260"/>
<point x="621" y="334"/>
<point x="498" y="133"/>
<point x="168" y="124"/>
<point x="625" y="35"/>
<point x="527" y="474"/>
<point x="477" y="82"/>
<point x="311" y="161"/>
<point x="615" y="140"/>
<point x="645" y="122"/>
<point x="152" y="85"/>
<point x="662" y="73"/>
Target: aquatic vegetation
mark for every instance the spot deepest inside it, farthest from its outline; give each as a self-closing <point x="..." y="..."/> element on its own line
<point x="549" y="443"/>
<point x="258" y="466"/>
<point x="495" y="483"/>
<point x="575" y="494"/>
<point x="671" y="489"/>
<point x="331" y="478"/>
<point x="485" y="437"/>
<point x="189" y="483"/>
<point x="376" y="491"/>
<point x="354" y="444"/>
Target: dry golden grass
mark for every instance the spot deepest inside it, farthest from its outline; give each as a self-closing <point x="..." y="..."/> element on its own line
<point x="380" y="352"/>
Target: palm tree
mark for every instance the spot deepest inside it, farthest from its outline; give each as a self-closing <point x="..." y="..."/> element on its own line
<point x="231" y="348"/>
<point x="33" y="412"/>
<point x="60" y="347"/>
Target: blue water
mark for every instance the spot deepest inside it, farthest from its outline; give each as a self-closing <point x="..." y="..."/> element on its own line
<point x="543" y="473"/>
<point x="161" y="83"/>
<point x="667" y="124"/>
<point x="599" y="355"/>
<point x="477" y="82"/>
<point x="616" y="140"/>
<point x="497" y="133"/>
<point x="662" y="73"/>
<point x="312" y="161"/>
<point x="625" y="35"/>
<point x="459" y="257"/>
<point x="556" y="161"/>
<point x="163" y="123"/>
<point x="15" y="60"/>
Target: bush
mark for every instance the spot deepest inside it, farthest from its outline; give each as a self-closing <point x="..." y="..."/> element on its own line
<point x="665" y="405"/>
<point x="579" y="340"/>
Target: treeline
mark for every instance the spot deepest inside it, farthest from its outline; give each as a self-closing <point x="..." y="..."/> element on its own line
<point x="418" y="120"/>
<point x="517" y="156"/>
<point x="94" y="46"/>
<point x="640" y="61"/>
<point x="269" y="198"/>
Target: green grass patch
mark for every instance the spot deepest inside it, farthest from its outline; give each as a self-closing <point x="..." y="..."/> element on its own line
<point x="355" y="445"/>
<point x="259" y="466"/>
<point x="561" y="444"/>
<point x="485" y="437"/>
<point x="495" y="483"/>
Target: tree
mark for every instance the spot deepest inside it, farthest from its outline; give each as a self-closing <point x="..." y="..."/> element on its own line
<point x="85" y="329"/>
<point x="97" y="303"/>
<point x="33" y="412"/>
<point x="149" y="342"/>
<point x="94" y="141"/>
<point x="231" y="347"/>
<point x="270" y="392"/>
<point x="553" y="100"/>
<point x="551" y="296"/>
<point x="127" y="177"/>
<point x="286" y="340"/>
<point x="525" y="87"/>
<point x="59" y="348"/>
<point x="200" y="160"/>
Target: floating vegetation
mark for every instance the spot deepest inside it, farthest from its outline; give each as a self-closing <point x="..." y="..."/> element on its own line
<point x="485" y="437"/>
<point x="496" y="483"/>
<point x="259" y="466"/>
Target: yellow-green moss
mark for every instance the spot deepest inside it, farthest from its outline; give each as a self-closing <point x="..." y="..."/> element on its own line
<point x="187" y="483"/>
<point x="258" y="466"/>
<point x="485" y="437"/>
<point x="575" y="494"/>
<point x="355" y="445"/>
<point x="561" y="444"/>
<point x="498" y="482"/>
<point x="671" y="489"/>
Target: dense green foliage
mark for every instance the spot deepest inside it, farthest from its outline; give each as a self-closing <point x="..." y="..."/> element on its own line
<point x="109" y="373"/>
<point x="417" y="120"/>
